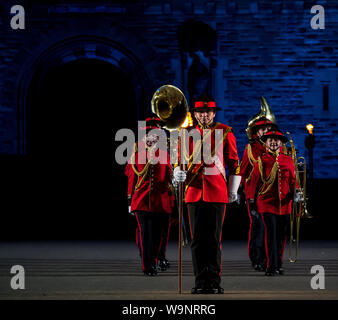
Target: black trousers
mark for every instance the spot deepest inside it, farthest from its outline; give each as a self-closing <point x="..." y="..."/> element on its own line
<point x="165" y="228"/>
<point x="256" y="245"/>
<point x="150" y="226"/>
<point x="206" y="221"/>
<point x="275" y="238"/>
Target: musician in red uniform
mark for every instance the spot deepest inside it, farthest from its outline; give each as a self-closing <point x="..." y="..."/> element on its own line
<point x="207" y="193"/>
<point x="150" y="194"/>
<point x="254" y="149"/>
<point x="270" y="190"/>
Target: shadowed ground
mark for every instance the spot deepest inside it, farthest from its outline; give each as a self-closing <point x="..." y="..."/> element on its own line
<point x="112" y="270"/>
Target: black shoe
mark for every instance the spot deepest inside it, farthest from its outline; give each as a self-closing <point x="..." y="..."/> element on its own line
<point x="280" y="271"/>
<point x="163" y="265"/>
<point x="260" y="267"/>
<point x="271" y="272"/>
<point x="218" y="290"/>
<point x="166" y="263"/>
<point x="150" y="272"/>
<point x="198" y="290"/>
<point x="213" y="289"/>
<point x="257" y="267"/>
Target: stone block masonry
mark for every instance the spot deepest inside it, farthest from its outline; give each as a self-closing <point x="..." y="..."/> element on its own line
<point x="265" y="48"/>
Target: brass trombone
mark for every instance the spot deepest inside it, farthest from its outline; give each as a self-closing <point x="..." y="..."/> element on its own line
<point x="299" y="209"/>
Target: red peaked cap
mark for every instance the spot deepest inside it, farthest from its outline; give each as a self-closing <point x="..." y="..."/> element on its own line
<point x="262" y="123"/>
<point x="275" y="133"/>
<point x="205" y="105"/>
<point x="152" y="123"/>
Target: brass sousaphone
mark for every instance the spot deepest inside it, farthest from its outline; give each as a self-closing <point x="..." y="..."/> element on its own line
<point x="170" y="105"/>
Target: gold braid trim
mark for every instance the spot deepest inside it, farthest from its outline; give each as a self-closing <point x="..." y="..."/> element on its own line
<point x="252" y="159"/>
<point x="249" y="177"/>
<point x="190" y="169"/>
<point x="197" y="149"/>
<point x="141" y="174"/>
<point x="196" y="146"/>
<point x="143" y="171"/>
<point x="268" y="182"/>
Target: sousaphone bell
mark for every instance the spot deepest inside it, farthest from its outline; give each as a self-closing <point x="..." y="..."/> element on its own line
<point x="170" y="105"/>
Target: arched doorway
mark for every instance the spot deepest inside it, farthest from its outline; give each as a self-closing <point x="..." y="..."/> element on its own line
<point x="74" y="187"/>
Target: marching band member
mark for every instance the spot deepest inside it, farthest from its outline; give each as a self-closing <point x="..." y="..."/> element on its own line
<point x="254" y="149"/>
<point x="151" y="199"/>
<point x="207" y="194"/>
<point x="270" y="192"/>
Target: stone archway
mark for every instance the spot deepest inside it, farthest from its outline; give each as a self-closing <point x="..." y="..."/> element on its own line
<point x="73" y="113"/>
<point x="124" y="52"/>
<point x="77" y="48"/>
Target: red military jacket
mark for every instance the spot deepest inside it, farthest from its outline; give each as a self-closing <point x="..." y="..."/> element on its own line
<point x="149" y="185"/>
<point x="272" y="183"/>
<point x="251" y="153"/>
<point x="206" y="180"/>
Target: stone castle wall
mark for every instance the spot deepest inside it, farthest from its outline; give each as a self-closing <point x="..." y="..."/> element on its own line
<point x="264" y="48"/>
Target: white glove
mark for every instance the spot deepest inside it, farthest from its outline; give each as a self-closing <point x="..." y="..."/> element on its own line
<point x="129" y="211"/>
<point x="238" y="200"/>
<point x="232" y="197"/>
<point x="299" y="196"/>
<point x="234" y="182"/>
<point x="179" y="175"/>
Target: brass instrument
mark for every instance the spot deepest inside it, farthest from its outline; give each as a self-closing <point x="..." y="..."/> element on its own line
<point x="170" y="105"/>
<point x="299" y="209"/>
<point x="265" y="113"/>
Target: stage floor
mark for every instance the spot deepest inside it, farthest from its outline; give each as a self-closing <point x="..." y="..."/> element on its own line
<point x="112" y="270"/>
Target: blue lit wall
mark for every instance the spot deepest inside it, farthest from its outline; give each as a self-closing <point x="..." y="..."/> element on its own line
<point x="264" y="48"/>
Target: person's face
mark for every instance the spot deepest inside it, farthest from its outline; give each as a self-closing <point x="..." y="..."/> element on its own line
<point x="273" y="143"/>
<point x="263" y="130"/>
<point x="205" y="116"/>
<point x="151" y="139"/>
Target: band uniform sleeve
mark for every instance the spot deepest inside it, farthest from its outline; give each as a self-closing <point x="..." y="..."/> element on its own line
<point x="129" y="172"/>
<point x="230" y="154"/>
<point x="253" y="183"/>
<point x="245" y="166"/>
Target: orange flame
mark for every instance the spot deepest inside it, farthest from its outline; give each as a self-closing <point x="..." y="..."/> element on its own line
<point x="188" y="122"/>
<point x="309" y="128"/>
